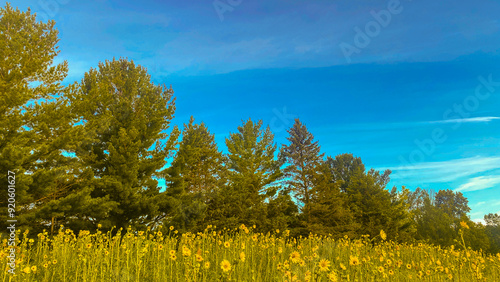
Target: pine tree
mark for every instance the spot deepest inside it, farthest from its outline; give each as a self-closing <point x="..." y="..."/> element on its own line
<point x="125" y="118"/>
<point x="304" y="164"/>
<point x="195" y="176"/>
<point x="253" y="176"/>
<point x="329" y="207"/>
<point x="35" y="122"/>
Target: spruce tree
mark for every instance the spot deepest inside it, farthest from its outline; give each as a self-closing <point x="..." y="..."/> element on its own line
<point x="303" y="164"/>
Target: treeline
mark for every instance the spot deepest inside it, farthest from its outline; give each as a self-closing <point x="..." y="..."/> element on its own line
<point x="92" y="152"/>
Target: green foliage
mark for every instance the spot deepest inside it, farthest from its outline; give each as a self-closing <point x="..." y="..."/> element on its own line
<point x="35" y="125"/>
<point x="344" y="168"/>
<point x="440" y="218"/>
<point x="434" y="226"/>
<point x="194" y="177"/>
<point x="93" y="152"/>
<point x="330" y="213"/>
<point x="492" y="230"/>
<point x="253" y="176"/>
<point x="454" y="204"/>
<point x="304" y="163"/>
<point x="123" y="119"/>
<point x="373" y="206"/>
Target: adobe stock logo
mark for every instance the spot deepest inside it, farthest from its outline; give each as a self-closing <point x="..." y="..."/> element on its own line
<point x="223" y="6"/>
<point x="50" y="8"/>
<point x="372" y="29"/>
<point x="281" y="120"/>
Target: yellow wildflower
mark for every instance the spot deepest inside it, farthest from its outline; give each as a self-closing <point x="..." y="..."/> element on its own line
<point x="333" y="276"/>
<point x="199" y="258"/>
<point x="295" y="257"/>
<point x="225" y="265"/>
<point x="383" y="235"/>
<point x="186" y="251"/>
<point x="464" y="225"/>
<point x="353" y="260"/>
<point x="324" y="264"/>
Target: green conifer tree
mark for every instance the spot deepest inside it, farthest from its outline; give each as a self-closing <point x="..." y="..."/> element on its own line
<point x="124" y="118"/>
<point x="253" y="177"/>
<point x="35" y="122"/>
<point x="195" y="176"/>
<point x="304" y="164"/>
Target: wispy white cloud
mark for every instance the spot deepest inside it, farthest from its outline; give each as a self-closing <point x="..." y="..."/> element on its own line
<point x="445" y="171"/>
<point x="479" y="183"/>
<point x="479" y="204"/>
<point x="490" y="162"/>
<point x="406" y="125"/>
<point x="474" y="119"/>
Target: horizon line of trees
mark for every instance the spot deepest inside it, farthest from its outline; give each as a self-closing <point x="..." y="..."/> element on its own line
<point x="91" y="153"/>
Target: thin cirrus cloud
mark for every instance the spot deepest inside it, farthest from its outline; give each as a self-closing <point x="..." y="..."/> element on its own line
<point x="470" y="120"/>
<point x="479" y="183"/>
<point x="446" y="171"/>
<point x="411" y="124"/>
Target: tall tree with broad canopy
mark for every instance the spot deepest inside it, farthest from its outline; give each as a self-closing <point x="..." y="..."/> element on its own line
<point x="344" y="168"/>
<point x="375" y="208"/>
<point x="440" y="218"/>
<point x="124" y="118"/>
<point x="35" y="123"/>
<point x="454" y="204"/>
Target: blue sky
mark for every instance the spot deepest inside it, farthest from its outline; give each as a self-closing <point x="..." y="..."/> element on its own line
<point x="413" y="86"/>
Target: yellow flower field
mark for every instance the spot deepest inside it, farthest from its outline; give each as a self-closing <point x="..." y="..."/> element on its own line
<point x="237" y="255"/>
